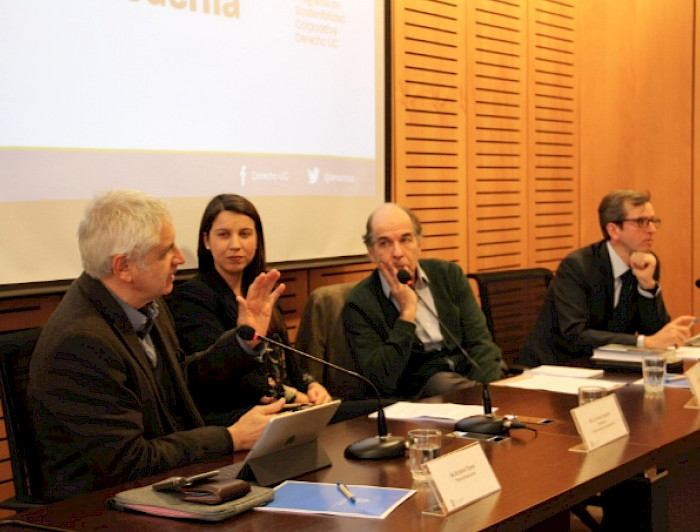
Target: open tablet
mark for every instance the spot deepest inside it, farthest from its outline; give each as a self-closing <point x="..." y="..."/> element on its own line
<point x="287" y="447"/>
<point x="289" y="429"/>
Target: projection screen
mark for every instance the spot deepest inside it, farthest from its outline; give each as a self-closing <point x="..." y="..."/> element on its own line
<point x="282" y="101"/>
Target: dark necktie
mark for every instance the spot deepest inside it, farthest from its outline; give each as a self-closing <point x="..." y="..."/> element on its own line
<point x="146" y="329"/>
<point x="624" y="305"/>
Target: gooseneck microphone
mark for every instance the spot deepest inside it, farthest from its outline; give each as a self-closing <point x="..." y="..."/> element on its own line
<point x="384" y="445"/>
<point x="482" y="424"/>
<point x="697" y="283"/>
<point x="222" y="343"/>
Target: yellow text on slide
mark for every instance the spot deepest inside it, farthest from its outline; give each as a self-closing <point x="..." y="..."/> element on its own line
<point x="227" y="8"/>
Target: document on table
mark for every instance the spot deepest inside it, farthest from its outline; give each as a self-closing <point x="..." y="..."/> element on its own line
<point x="408" y="410"/>
<point x="628" y="354"/>
<point x="688" y="353"/>
<point x="322" y="498"/>
<point x="568" y="385"/>
<point x="565" y="371"/>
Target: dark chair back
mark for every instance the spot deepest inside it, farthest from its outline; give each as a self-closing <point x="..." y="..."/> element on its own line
<point x="15" y="352"/>
<point x="322" y="334"/>
<point x="511" y="301"/>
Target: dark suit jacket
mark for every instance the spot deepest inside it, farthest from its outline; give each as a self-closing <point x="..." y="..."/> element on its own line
<point x="578" y="311"/>
<point x="387" y="349"/>
<point x="204" y="308"/>
<point x="101" y="417"/>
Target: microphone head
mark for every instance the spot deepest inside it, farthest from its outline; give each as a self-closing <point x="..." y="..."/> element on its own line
<point x="403" y="276"/>
<point x="697" y="283"/>
<point x="481" y="425"/>
<point x="246" y="332"/>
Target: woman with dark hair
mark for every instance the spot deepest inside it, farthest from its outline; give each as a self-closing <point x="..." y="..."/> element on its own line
<point x="231" y="254"/>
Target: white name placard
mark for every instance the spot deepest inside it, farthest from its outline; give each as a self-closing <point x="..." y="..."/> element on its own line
<point x="693" y="376"/>
<point x="461" y="477"/>
<point x="599" y="422"/>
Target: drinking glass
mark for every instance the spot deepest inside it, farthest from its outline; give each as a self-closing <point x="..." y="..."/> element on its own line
<point x="423" y="446"/>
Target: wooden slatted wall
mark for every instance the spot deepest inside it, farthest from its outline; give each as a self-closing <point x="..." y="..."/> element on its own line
<point x="553" y="135"/>
<point x="429" y="121"/>
<point x="496" y="48"/>
<point x="485" y="128"/>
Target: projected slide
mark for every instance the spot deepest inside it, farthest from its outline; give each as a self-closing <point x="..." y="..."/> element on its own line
<point x="124" y="81"/>
<point x="278" y="100"/>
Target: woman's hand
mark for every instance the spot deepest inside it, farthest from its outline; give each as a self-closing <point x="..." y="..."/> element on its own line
<point x="255" y="310"/>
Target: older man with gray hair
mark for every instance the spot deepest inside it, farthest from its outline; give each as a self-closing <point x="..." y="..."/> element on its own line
<point x="420" y="338"/>
<point x="107" y="391"/>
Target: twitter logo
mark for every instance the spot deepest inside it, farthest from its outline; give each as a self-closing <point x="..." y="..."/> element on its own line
<point x="313" y="174"/>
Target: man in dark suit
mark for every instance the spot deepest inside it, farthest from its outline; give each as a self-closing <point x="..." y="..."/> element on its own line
<point x="396" y="339"/>
<point x="107" y="391"/>
<point x="607" y="292"/>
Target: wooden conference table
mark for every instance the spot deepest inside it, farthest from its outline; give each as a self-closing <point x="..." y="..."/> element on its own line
<point x="540" y="478"/>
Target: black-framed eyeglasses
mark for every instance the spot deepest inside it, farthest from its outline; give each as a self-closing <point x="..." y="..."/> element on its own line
<point x="642" y="222"/>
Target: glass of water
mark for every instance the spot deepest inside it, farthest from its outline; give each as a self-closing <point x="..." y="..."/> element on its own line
<point x="587" y="394"/>
<point x="423" y="446"/>
<point x="654" y="373"/>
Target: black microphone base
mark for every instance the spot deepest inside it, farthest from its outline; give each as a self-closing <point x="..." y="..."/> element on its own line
<point x="377" y="448"/>
<point x="487" y="424"/>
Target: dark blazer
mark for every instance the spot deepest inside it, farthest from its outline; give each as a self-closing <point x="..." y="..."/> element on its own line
<point x="578" y="311"/>
<point x="204" y="308"/>
<point x="387" y="350"/>
<point x="100" y="414"/>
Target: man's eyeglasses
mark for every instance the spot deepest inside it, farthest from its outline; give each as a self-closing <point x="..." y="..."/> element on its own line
<point x="642" y="222"/>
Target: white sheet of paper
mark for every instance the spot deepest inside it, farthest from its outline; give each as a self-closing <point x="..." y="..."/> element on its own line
<point x="565" y="371"/>
<point x="568" y="385"/>
<point x="408" y="410"/>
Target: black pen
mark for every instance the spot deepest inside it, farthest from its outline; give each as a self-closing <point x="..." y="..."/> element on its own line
<point x="345" y="491"/>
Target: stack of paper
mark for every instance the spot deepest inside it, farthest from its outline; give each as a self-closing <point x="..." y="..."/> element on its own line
<point x="618" y="355"/>
<point x="452" y="411"/>
<point x="688" y="353"/>
<point x="565" y="371"/>
<point x="551" y="383"/>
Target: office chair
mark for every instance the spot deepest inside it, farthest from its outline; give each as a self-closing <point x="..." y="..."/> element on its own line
<point x="322" y="334"/>
<point x="15" y="352"/>
<point x="511" y="301"/>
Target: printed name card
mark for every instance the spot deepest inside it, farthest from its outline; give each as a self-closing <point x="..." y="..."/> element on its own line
<point x="693" y="376"/>
<point x="599" y="422"/>
<point x="461" y="477"/>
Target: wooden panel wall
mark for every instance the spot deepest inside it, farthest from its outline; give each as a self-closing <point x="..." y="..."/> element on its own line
<point x="485" y="128"/>
<point x="637" y="131"/>
<point x="429" y="121"/>
<point x="496" y="49"/>
<point x="695" y="178"/>
<point x="553" y="132"/>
